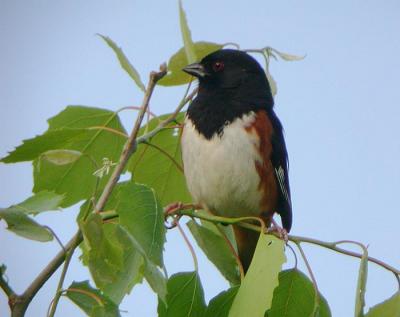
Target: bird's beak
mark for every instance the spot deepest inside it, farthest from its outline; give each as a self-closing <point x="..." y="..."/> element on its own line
<point x="195" y="69"/>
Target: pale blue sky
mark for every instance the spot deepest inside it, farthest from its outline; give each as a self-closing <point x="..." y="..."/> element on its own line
<point x="340" y="109"/>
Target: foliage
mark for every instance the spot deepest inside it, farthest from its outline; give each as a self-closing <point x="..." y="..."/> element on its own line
<point x="122" y="243"/>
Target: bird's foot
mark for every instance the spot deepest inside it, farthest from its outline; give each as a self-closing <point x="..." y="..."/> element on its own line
<point x="170" y="212"/>
<point x="173" y="208"/>
<point x="281" y="231"/>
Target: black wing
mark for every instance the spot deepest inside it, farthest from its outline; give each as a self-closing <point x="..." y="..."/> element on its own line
<point x="279" y="159"/>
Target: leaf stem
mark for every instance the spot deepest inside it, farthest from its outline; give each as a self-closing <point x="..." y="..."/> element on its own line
<point x="196" y="263"/>
<point x="109" y="130"/>
<point x="56" y="237"/>
<point x="313" y="279"/>
<point x="135" y="108"/>
<point x="233" y="251"/>
<point x="362" y="279"/>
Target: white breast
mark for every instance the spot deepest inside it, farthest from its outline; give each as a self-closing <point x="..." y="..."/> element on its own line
<point x="220" y="172"/>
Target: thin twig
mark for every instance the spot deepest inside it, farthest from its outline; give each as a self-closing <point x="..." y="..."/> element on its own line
<point x="294" y="255"/>
<point x="362" y="278"/>
<point x="233" y="251"/>
<point x="313" y="279"/>
<point x="332" y="246"/>
<point x="135" y="108"/>
<point x="21" y="302"/>
<point x="171" y="118"/>
<point x="130" y="145"/>
<point x="237" y="46"/>
<point x="196" y="264"/>
<point x="398" y="280"/>
<point x="56" y="237"/>
<point x="328" y="245"/>
<point x="60" y="283"/>
<point x="6" y="287"/>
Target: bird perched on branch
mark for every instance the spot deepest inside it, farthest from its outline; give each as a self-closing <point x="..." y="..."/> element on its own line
<point x="233" y="148"/>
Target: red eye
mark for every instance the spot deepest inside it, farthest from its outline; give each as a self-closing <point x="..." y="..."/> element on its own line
<point x="218" y="66"/>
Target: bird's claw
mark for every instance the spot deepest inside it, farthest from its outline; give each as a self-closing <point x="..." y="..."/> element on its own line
<point x="282" y="233"/>
<point x="170" y="211"/>
<point x="172" y="208"/>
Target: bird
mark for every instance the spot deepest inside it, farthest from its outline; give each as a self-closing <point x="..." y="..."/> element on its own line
<point x="233" y="148"/>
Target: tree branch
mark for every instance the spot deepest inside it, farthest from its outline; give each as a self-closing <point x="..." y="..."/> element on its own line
<point x="296" y="239"/>
<point x="19" y="303"/>
<point x="130" y="145"/>
<point x="146" y="137"/>
<point x="5" y="286"/>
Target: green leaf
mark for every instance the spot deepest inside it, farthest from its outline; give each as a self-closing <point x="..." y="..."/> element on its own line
<point x="185" y="297"/>
<point x="61" y="157"/>
<point x="114" y="262"/>
<point x="217" y="250"/>
<point x="42" y="201"/>
<point x="156" y="280"/>
<point x="76" y="179"/>
<point x="151" y="272"/>
<point x="91" y="300"/>
<point x="186" y="36"/>
<point x="388" y="308"/>
<point x="175" y="75"/>
<point x="361" y="285"/>
<point x="220" y="305"/>
<point x="142" y="216"/>
<point x="55" y="139"/>
<point x="254" y="296"/>
<point x="294" y="297"/>
<point x="161" y="308"/>
<point x="24" y="226"/>
<point x="125" y="64"/>
<point x="154" y="168"/>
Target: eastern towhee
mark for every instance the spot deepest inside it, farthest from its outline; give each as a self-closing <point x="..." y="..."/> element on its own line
<point x="233" y="148"/>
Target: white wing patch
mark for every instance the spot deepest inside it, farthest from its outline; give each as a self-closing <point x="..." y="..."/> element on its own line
<point x="280" y="174"/>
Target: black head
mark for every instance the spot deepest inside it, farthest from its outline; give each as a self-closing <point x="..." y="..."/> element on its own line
<point x="231" y="84"/>
<point x="228" y="68"/>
